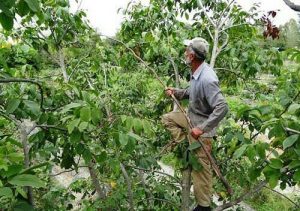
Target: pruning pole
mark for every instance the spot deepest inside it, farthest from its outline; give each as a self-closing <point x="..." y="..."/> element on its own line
<point x="209" y="156"/>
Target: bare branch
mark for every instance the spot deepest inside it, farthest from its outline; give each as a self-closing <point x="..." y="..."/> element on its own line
<point x="223" y="45"/>
<point x="206" y="14"/>
<point x="292" y="130"/>
<point x="232" y="26"/>
<point x="227" y="16"/>
<point x="129" y="188"/>
<point x="231" y="71"/>
<point x="51" y="127"/>
<point x="225" y="10"/>
<point x="209" y="32"/>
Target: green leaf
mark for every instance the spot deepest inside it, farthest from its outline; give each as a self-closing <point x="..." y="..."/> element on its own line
<point x="6" y="21"/>
<point x="296" y="176"/>
<point x="27" y="180"/>
<point x="7" y="192"/>
<point x="96" y="115"/>
<point x="123" y="139"/>
<point x="194" y="145"/>
<point x="240" y="151"/>
<point x="15" y="157"/>
<point x="70" y="106"/>
<point x="71" y="126"/>
<point x="293" y="108"/>
<point x="85" y="114"/>
<point x="261" y="150"/>
<point x="135" y="136"/>
<point x="21" y="191"/>
<point x="12" y="105"/>
<point x="193" y="160"/>
<point x="273" y="180"/>
<point x="75" y="137"/>
<point x="32" y="106"/>
<point x="33" y="5"/>
<point x="102" y="157"/>
<point x="294" y="164"/>
<point x="82" y="126"/>
<point x="276" y="163"/>
<point x="23" y="205"/>
<point x="289" y="141"/>
<point x="22" y="8"/>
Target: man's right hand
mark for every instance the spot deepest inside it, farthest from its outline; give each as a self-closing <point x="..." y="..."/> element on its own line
<point x="169" y="91"/>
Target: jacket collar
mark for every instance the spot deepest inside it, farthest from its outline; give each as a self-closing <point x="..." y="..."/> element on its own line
<point x="199" y="71"/>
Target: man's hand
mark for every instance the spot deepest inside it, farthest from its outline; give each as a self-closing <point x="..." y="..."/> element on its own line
<point x="169" y="91"/>
<point x="196" y="132"/>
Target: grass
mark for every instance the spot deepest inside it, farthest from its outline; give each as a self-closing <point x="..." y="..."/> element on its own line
<point x="268" y="200"/>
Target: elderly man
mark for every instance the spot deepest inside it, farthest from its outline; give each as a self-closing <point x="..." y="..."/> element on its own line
<point x="207" y="107"/>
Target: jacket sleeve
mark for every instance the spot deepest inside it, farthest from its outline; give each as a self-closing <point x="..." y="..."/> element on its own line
<point x="217" y="104"/>
<point x="181" y="94"/>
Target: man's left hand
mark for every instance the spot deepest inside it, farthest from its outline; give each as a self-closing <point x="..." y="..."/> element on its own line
<point x="196" y="132"/>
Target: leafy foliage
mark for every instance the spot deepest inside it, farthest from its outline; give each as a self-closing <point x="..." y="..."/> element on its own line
<point x="89" y="103"/>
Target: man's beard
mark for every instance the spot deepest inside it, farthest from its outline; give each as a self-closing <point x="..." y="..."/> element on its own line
<point x="187" y="61"/>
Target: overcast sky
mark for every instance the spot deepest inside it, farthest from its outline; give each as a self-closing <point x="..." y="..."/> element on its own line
<point x="103" y="15"/>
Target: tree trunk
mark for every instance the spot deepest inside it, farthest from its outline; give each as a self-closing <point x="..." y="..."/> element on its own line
<point x="186" y="188"/>
<point x="23" y="136"/>
<point x="214" y="53"/>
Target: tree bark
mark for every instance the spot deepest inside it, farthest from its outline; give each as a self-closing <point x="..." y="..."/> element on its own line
<point x="95" y="181"/>
<point x="129" y="187"/>
<point x="23" y="136"/>
<point x="214" y="52"/>
<point x="186" y="187"/>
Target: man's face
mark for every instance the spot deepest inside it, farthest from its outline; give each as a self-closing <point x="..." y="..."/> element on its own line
<point x="188" y="55"/>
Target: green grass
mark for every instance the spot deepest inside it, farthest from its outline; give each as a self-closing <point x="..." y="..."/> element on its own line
<point x="268" y="200"/>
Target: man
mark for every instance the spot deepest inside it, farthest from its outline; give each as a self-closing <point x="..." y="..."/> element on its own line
<point x="207" y="107"/>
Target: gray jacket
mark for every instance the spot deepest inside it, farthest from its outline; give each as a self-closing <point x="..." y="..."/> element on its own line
<point x="207" y="106"/>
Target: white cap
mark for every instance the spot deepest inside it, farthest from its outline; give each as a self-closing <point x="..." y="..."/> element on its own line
<point x="199" y="45"/>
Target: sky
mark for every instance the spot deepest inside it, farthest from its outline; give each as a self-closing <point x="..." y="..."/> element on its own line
<point x="103" y="14"/>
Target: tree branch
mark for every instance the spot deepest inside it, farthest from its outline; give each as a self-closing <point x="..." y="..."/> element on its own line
<point x="289" y="104"/>
<point x="227" y="16"/>
<point x="154" y="171"/>
<point x="247" y="194"/>
<point x="296" y="205"/>
<point x="129" y="188"/>
<point x="206" y="14"/>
